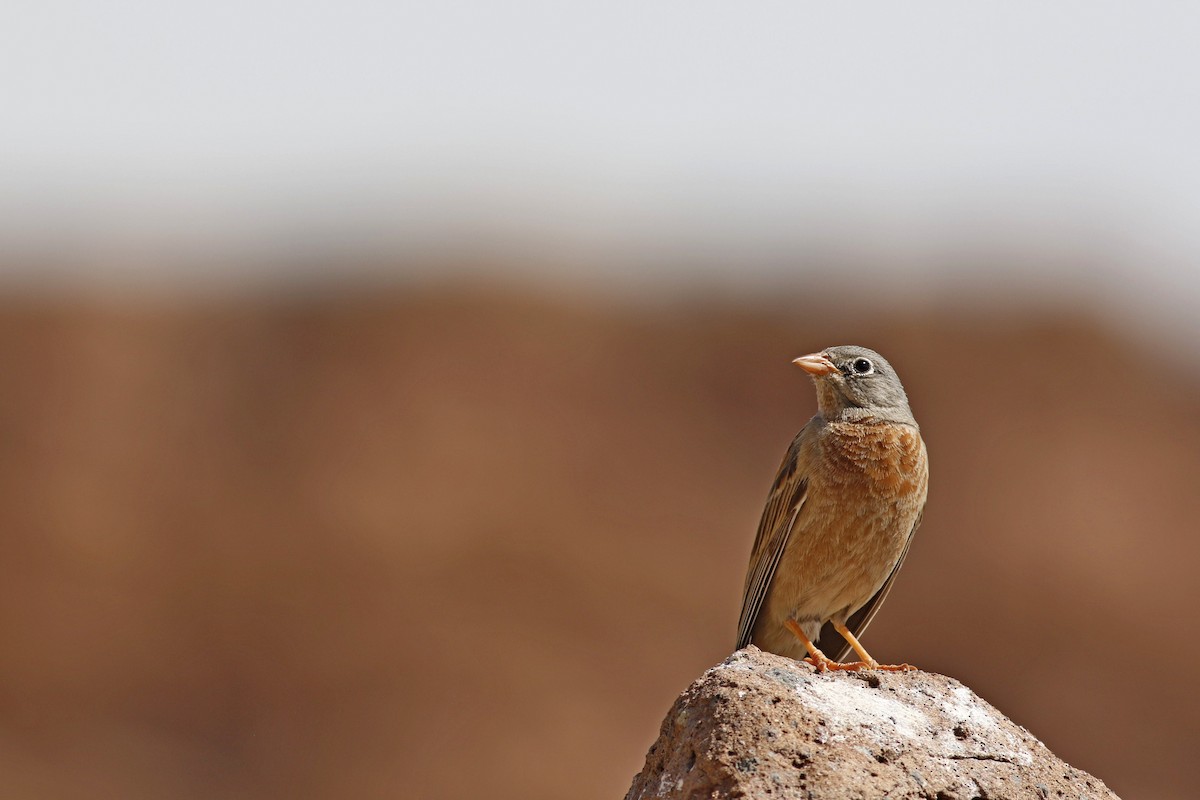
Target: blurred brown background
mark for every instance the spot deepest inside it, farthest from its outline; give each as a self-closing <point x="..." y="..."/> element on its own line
<point x="389" y="391"/>
<point x="455" y="542"/>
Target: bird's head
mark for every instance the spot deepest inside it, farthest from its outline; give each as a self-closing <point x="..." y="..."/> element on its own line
<point x="855" y="384"/>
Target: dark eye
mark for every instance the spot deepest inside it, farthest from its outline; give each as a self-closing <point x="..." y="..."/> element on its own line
<point x="862" y="366"/>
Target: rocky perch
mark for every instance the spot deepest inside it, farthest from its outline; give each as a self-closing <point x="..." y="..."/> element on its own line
<point x="760" y="725"/>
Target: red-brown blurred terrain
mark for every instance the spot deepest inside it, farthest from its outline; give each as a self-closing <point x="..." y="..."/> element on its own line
<point x="442" y="543"/>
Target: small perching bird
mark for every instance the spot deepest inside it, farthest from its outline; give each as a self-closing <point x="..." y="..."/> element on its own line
<point x="840" y="516"/>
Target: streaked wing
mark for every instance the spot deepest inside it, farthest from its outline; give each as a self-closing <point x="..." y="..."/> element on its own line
<point x="830" y="642"/>
<point x="778" y="519"/>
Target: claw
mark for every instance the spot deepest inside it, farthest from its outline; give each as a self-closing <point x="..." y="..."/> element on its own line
<point x="822" y="664"/>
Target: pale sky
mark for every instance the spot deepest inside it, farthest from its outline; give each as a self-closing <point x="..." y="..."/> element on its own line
<point x="614" y="128"/>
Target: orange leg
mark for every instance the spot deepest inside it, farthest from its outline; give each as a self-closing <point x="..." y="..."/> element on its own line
<point x="867" y="662"/>
<point x="822" y="662"/>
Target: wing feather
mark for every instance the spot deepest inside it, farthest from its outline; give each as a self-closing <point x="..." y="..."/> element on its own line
<point x="774" y="529"/>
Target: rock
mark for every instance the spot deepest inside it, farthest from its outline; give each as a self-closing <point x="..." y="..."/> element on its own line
<point x="761" y="725"/>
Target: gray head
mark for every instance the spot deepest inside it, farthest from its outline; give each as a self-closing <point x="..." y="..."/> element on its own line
<point x="854" y="384"/>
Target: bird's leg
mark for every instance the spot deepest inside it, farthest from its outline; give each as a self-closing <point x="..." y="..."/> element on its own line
<point x="864" y="657"/>
<point x="867" y="662"/>
<point x="815" y="657"/>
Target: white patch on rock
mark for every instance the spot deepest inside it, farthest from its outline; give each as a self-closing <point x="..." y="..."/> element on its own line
<point x="853" y="707"/>
<point x="667" y="782"/>
<point x="963" y="707"/>
<point x="735" y="663"/>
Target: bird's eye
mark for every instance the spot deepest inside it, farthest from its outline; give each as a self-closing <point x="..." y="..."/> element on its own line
<point x="862" y="366"/>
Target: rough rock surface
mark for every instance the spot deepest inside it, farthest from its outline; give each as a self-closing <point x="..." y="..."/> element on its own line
<point x="760" y="725"/>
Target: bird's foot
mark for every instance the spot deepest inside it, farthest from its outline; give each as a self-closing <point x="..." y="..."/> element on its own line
<point x="828" y="664"/>
<point x="824" y="664"/>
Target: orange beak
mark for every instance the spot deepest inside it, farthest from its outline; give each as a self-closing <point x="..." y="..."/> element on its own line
<point x="815" y="364"/>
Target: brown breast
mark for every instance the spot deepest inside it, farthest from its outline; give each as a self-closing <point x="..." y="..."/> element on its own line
<point x="883" y="459"/>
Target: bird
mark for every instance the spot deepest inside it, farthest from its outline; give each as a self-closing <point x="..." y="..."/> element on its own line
<point x="840" y="516"/>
